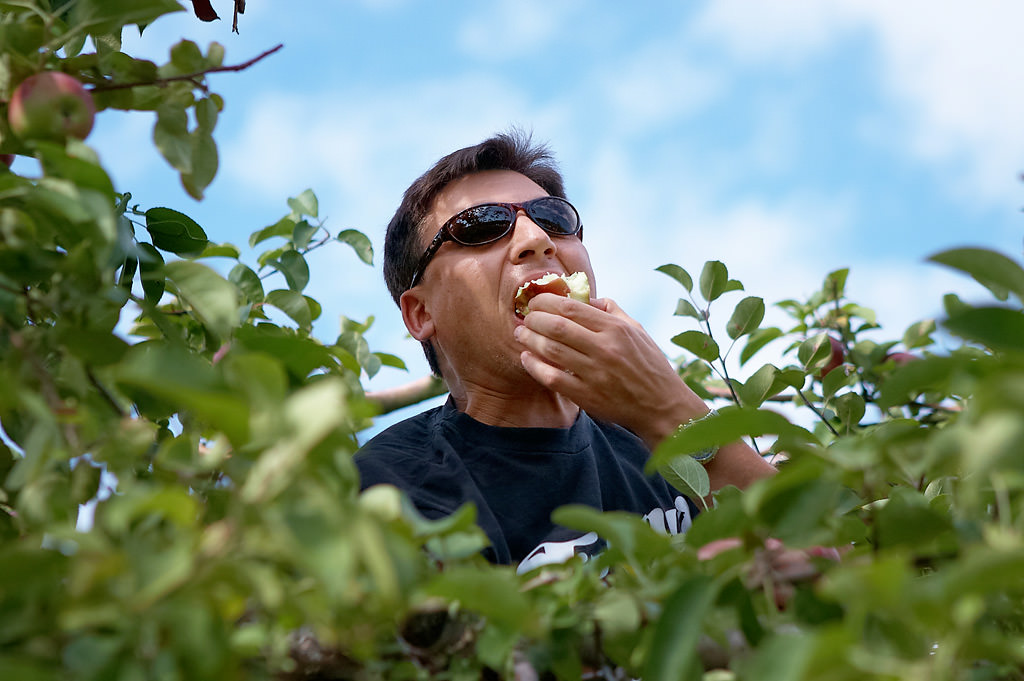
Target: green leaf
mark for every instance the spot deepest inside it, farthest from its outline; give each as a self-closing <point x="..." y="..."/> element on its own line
<point x="175" y="232"/>
<point x="914" y="378"/>
<point x="282" y="227"/>
<point x="835" y="284"/>
<point x="292" y="304"/>
<point x="815" y="351"/>
<point x="107" y="16"/>
<point x="203" y="166"/>
<point x="302" y="233"/>
<point x="185" y="381"/>
<point x="998" y="328"/>
<point x="248" y="282"/>
<point x="684" y="308"/>
<point x="919" y="335"/>
<point x="186" y="57"/>
<point x="673" y="652"/>
<point x="698" y="343"/>
<point x="758" y="387"/>
<point x="224" y="250"/>
<point x="687" y="475"/>
<point x="213" y="299"/>
<point x="991" y="269"/>
<point x="733" y="285"/>
<point x="713" y="280"/>
<point x="151" y="272"/>
<point x="746" y="317"/>
<point x="359" y="242"/>
<point x="171" y="136"/>
<point x="729" y="425"/>
<point x="679" y="274"/>
<point x="294" y="268"/>
<point x="392" y="361"/>
<point x="304" y="204"/>
<point x="758" y="339"/>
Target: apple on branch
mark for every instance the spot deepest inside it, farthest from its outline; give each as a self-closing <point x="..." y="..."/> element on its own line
<point x="51" y="106"/>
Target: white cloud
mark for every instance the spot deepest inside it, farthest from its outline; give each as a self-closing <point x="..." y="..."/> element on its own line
<point x="657" y="85"/>
<point x="511" y="28"/>
<point x="951" y="72"/>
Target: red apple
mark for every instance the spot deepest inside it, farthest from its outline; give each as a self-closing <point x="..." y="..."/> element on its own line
<point x="835" y="359"/>
<point x="901" y="358"/>
<point x="52" y="106"/>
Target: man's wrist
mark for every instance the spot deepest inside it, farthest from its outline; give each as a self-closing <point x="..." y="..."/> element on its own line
<point x="703" y="456"/>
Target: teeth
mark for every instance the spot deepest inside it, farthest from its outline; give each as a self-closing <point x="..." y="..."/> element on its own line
<point x="577" y="284"/>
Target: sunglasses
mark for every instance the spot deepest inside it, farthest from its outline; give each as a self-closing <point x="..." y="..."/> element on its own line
<point x="489" y="222"/>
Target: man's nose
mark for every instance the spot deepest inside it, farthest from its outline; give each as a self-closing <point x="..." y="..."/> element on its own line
<point x="528" y="239"/>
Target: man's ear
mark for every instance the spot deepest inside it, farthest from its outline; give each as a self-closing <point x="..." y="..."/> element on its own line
<point x="416" y="316"/>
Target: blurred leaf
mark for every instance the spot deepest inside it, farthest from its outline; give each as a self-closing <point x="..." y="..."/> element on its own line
<point x="213" y="298"/>
<point x="746" y="317"/>
<point x="359" y="242"/>
<point x="679" y="274"/>
<point x="673" y="653"/>
<point x="991" y="269"/>
<point x="304" y="204"/>
<point x="224" y="250"/>
<point x="919" y="335"/>
<point x="392" y="361"/>
<point x="175" y="232"/>
<point x="998" y="328"/>
<point x="698" y="343"/>
<point x="292" y="304"/>
<point x="834" y="287"/>
<point x="914" y="378"/>
<point x="186" y="382"/>
<point x="815" y="352"/>
<point x="728" y="425"/>
<point x="248" y="282"/>
<point x="493" y="593"/>
<point x="713" y="280"/>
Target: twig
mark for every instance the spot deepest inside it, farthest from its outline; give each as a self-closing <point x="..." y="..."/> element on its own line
<point x="818" y="413"/>
<point x="188" y="76"/>
<point x="392" y="399"/>
<point x="105" y="393"/>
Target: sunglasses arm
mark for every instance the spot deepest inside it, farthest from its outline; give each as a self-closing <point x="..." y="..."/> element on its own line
<point x="428" y="254"/>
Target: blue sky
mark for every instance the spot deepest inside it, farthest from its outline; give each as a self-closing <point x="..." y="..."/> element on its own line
<point x="785" y="138"/>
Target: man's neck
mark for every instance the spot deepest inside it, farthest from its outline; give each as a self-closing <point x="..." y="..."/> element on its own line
<point x="535" y="408"/>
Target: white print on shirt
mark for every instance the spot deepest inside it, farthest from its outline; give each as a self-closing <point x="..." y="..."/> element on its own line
<point x="551" y="552"/>
<point x="674" y="521"/>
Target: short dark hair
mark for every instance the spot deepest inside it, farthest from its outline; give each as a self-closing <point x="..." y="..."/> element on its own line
<point x="514" y="150"/>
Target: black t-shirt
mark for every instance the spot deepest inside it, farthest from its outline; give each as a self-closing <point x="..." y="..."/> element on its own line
<point x="443" y="458"/>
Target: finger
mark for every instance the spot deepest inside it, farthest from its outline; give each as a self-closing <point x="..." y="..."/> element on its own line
<point x="611" y="307"/>
<point x="582" y="313"/>
<point x="551" y="377"/>
<point x="562" y="354"/>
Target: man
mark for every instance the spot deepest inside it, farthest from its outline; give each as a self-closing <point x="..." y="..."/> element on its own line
<point x="561" y="406"/>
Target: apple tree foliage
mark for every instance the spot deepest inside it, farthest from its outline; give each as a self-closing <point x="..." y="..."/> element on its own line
<point x="193" y="406"/>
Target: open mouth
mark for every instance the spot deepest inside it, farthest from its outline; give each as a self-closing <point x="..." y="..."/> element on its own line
<point x="573" y="285"/>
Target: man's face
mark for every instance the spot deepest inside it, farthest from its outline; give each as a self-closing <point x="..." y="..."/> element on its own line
<point x="465" y="300"/>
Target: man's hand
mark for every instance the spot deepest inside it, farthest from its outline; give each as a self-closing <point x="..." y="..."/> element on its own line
<point x="605" y="362"/>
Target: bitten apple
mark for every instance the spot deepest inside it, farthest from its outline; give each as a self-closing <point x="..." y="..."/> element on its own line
<point x="575" y="286"/>
<point x="51" y="106"/>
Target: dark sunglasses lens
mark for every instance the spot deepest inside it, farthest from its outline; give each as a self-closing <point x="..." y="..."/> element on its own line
<point x="480" y="225"/>
<point x="554" y="216"/>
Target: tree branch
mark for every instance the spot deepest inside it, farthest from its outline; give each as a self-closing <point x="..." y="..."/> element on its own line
<point x="188" y="76"/>
<point x="413" y="392"/>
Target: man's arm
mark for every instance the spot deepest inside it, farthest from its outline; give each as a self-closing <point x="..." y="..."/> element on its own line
<point x="604" y="361"/>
